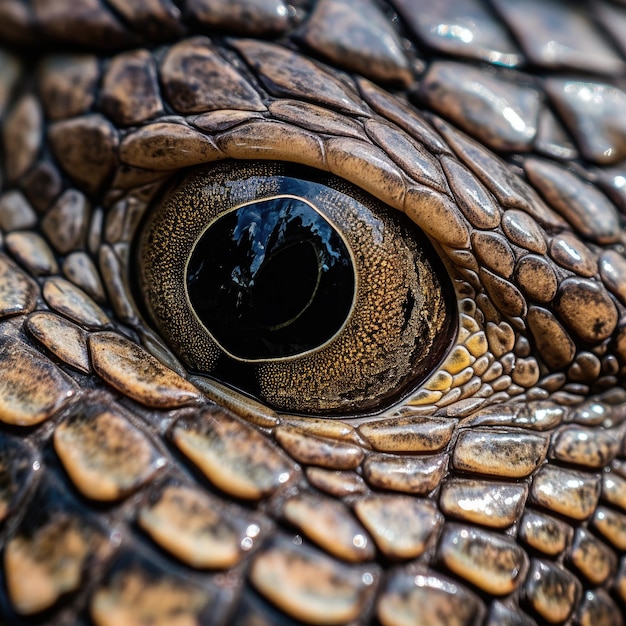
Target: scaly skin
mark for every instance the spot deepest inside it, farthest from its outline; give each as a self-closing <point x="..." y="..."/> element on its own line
<point x="135" y="491"/>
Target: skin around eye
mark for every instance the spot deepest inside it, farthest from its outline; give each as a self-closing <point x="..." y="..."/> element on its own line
<point x="295" y="287"/>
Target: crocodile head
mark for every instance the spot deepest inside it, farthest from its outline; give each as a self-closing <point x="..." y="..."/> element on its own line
<point x="312" y="313"/>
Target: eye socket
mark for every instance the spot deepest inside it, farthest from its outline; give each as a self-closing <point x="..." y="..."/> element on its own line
<point x="295" y="287"/>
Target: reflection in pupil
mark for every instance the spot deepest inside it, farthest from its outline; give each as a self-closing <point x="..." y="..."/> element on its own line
<point x="271" y="279"/>
<point x="296" y="266"/>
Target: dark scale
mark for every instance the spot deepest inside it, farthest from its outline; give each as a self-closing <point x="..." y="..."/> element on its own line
<point x="271" y="279"/>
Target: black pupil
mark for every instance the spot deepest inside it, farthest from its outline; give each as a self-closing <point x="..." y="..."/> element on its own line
<point x="271" y="279"/>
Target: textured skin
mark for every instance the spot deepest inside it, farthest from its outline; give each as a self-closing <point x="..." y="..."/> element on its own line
<point x="133" y="492"/>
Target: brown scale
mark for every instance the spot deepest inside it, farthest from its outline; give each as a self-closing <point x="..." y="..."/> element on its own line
<point x="494" y="493"/>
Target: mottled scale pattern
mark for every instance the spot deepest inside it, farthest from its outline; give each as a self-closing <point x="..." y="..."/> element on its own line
<point x="135" y="492"/>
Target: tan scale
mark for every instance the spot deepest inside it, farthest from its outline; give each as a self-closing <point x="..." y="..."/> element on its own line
<point x="333" y="429"/>
<point x="67" y="84"/>
<point x="614" y="489"/>
<point x="319" y="451"/>
<point x="552" y="591"/>
<point x="580" y="43"/>
<point x="213" y="443"/>
<point x="187" y="523"/>
<point x="15" y="212"/>
<point x="537" y="278"/>
<point x="18" y="291"/>
<point x="611" y="525"/>
<point x="215" y="121"/>
<point x="586" y="209"/>
<point x="388" y="518"/>
<point x="124" y="215"/>
<point x="32" y="252"/>
<point x="408" y="434"/>
<point x="313" y="515"/>
<point x="427" y="398"/>
<point x="336" y="483"/>
<point x="215" y="84"/>
<point x="592" y="557"/>
<point x="493" y="563"/>
<point x="567" y="492"/>
<point x="499" y="453"/>
<point x="65" y="223"/>
<point x="50" y="563"/>
<point x="22" y="136"/>
<point x="409" y="154"/>
<point x="473" y="199"/>
<point x="425" y="598"/>
<point x="490" y="503"/>
<point x="612" y="272"/>
<point x="68" y="300"/>
<point x="105" y="456"/>
<point x="307" y="583"/>
<point x="586" y="447"/>
<point x="130" y="92"/>
<point x="402" y="115"/>
<point x="437" y="215"/>
<point x="258" y="140"/>
<point x="251" y="410"/>
<point x="135" y="372"/>
<point x="576" y="296"/>
<point x="553" y="342"/>
<point x="448" y="89"/>
<point x="572" y="254"/>
<point x="32" y="388"/>
<point x="116" y="282"/>
<point x="463" y="377"/>
<point x="597" y="607"/>
<point x="152" y="146"/>
<point x="289" y="74"/>
<point x="605" y="145"/>
<point x="133" y="598"/>
<point x="406" y="474"/>
<point x="85" y="148"/>
<point x="545" y="533"/>
<point x="360" y="26"/>
<point x="64" y="339"/>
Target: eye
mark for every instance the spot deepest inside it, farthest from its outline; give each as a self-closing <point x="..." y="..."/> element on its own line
<point x="295" y="287"/>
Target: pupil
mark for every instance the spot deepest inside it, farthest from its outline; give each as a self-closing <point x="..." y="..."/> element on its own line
<point x="271" y="279"/>
<point x="297" y="266"/>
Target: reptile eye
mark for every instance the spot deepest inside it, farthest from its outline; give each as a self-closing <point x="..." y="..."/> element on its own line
<point x="295" y="287"/>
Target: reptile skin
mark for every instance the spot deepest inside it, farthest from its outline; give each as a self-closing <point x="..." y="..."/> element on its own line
<point x="134" y="490"/>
